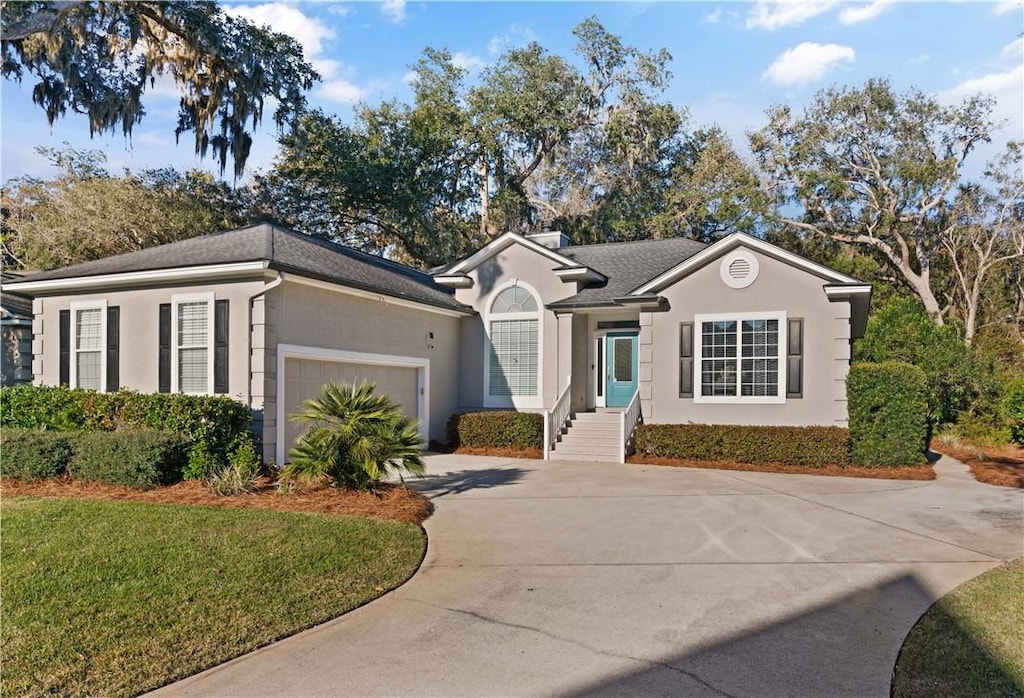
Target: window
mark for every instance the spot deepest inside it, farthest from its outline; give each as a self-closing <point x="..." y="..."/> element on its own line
<point x="513" y="361"/>
<point x="192" y="368"/>
<point x="87" y="362"/>
<point x="738" y="358"/>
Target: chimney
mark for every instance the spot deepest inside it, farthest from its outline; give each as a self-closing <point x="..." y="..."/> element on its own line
<point x="553" y="239"/>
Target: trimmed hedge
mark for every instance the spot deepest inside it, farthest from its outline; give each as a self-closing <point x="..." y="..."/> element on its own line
<point x="888" y="405"/>
<point x="1014" y="409"/>
<point x="141" y="459"/>
<point x="746" y="444"/>
<point x="496" y="429"/>
<point x="34" y="455"/>
<point x="215" y="426"/>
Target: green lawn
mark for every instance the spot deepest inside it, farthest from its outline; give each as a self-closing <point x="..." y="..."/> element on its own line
<point x="116" y="598"/>
<point x="970" y="643"/>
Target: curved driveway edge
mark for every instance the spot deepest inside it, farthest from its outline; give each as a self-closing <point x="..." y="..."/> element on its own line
<point x="558" y="578"/>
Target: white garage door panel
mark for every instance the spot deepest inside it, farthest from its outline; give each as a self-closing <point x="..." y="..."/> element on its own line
<point x="305" y="377"/>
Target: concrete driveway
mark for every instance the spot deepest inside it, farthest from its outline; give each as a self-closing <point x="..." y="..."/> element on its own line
<point x="582" y="578"/>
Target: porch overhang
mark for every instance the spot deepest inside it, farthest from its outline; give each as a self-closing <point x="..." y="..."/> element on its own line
<point x="580" y="274"/>
<point x="648" y="302"/>
<point x="454" y="280"/>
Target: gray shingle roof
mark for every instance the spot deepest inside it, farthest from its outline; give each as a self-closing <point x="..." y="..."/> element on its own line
<point x="285" y="250"/>
<point x="628" y="265"/>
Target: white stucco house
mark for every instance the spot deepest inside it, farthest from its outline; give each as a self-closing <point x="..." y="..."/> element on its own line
<point x="596" y="336"/>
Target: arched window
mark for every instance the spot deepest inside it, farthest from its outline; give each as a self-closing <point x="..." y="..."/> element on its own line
<point x="514" y="347"/>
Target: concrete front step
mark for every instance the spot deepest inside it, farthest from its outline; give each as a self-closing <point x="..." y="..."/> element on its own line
<point x="583" y="446"/>
<point x="600" y="457"/>
<point x="592" y="436"/>
<point x="595" y="443"/>
<point x="609" y="417"/>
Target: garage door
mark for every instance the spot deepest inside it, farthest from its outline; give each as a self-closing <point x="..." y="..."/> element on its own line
<point x="305" y="377"/>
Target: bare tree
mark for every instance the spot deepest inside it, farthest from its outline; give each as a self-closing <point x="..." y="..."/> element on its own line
<point x="987" y="234"/>
<point x="874" y="169"/>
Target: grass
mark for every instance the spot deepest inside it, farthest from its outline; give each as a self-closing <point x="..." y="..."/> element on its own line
<point x="970" y="643"/>
<point x="117" y="598"/>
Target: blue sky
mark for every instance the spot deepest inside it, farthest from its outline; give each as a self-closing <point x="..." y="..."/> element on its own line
<point x="732" y="60"/>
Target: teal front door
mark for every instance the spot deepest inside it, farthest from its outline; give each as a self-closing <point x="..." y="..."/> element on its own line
<point x="621" y="369"/>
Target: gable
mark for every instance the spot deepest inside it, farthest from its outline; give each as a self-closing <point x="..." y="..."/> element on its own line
<point x="514" y="262"/>
<point x="502" y="243"/>
<point x="712" y="254"/>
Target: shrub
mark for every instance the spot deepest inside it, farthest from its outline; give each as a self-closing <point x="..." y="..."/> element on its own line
<point x="140" y="459"/>
<point x="888" y="413"/>
<point x="33" y="455"/>
<point x="230" y="480"/>
<point x="240" y="473"/>
<point x="900" y="330"/>
<point x="1014" y="408"/>
<point x="355" y="438"/>
<point x="212" y="424"/>
<point x="496" y="429"/>
<point x="746" y="444"/>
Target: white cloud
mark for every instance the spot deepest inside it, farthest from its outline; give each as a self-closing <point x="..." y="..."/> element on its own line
<point x="517" y="35"/>
<point x="1004" y="6"/>
<point x="163" y="86"/>
<point x="468" y="61"/>
<point x="1014" y="49"/>
<point x="713" y="17"/>
<point x="339" y="10"/>
<point x="342" y="91"/>
<point x="863" y="13"/>
<point x="1001" y="84"/>
<point x="807" y="63"/>
<point x="394" y="10"/>
<point x="775" y="14"/>
<point x="409" y="77"/>
<point x="287" y="18"/>
<point x="154" y="139"/>
<point x="313" y="35"/>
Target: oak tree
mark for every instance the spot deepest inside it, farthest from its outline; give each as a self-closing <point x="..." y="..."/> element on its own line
<point x="99" y="58"/>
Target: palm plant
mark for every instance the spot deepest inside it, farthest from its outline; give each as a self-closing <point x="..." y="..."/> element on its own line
<point x="355" y="438"/>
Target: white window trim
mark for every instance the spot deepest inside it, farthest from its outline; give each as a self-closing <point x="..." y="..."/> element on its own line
<point x="516" y="401"/>
<point x="175" y="358"/>
<point x="698" y="339"/>
<point x="73" y="368"/>
<point x="295" y="351"/>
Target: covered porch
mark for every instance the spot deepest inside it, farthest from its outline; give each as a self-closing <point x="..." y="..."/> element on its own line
<point x="599" y="369"/>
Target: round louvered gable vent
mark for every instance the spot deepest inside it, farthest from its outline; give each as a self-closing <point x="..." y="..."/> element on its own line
<point x="739" y="269"/>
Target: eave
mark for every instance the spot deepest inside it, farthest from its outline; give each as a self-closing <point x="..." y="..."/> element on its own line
<point x="580" y="274"/>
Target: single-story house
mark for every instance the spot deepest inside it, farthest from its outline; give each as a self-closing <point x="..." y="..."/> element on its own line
<point x="15" y="334"/>
<point x="597" y="336"/>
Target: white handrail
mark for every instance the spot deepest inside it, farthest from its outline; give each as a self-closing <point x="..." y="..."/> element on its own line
<point x="555" y="419"/>
<point x="628" y="420"/>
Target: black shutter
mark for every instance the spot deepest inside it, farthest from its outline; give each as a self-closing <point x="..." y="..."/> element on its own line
<point x="220" y="347"/>
<point x="65" y="347"/>
<point x="113" y="351"/>
<point x="686" y="359"/>
<point x="165" y="348"/>
<point x="795" y="358"/>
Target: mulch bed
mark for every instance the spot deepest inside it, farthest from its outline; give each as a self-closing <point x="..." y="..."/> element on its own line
<point x="385" y="501"/>
<point x="534" y="453"/>
<point x="906" y="472"/>
<point x="995" y="465"/>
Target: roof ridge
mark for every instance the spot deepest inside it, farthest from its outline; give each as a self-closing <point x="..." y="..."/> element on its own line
<point x="569" y="248"/>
